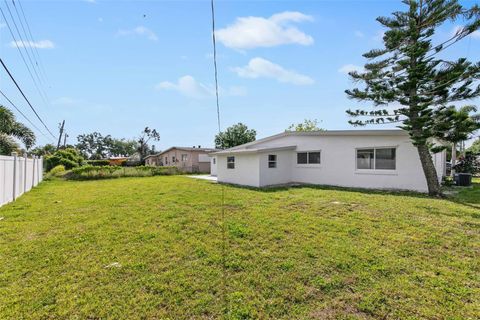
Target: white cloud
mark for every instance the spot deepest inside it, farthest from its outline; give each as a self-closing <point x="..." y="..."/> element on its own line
<point x="262" y="68"/>
<point x="189" y="87"/>
<point x="475" y="34"/>
<point x="359" y="34"/>
<point x="42" y="44"/>
<point x="140" y="31"/>
<point x="253" y="32"/>
<point x="349" y="68"/>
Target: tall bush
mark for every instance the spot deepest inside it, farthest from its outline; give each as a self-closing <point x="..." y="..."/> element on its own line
<point x="69" y="158"/>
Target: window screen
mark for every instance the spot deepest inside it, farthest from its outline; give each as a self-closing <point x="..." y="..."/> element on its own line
<point x="365" y="158"/>
<point x="314" y="157"/>
<point x="302" y="158"/>
<point x="385" y="159"/>
<point x="230" y="162"/>
<point x="272" y="160"/>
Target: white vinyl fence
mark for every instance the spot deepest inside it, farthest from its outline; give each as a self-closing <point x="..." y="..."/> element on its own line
<point x="18" y="175"/>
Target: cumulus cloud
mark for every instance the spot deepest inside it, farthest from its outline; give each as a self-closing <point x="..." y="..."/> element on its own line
<point x="349" y="68"/>
<point x="253" y="32"/>
<point x="189" y="87"/>
<point x="262" y="68"/>
<point x="42" y="44"/>
<point x="139" y="31"/>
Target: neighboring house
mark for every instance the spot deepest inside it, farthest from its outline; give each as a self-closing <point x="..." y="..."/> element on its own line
<point x="152" y="160"/>
<point x="377" y="159"/>
<point x="117" y="161"/>
<point x="194" y="159"/>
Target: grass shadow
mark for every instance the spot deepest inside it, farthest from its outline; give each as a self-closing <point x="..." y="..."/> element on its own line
<point x="286" y="187"/>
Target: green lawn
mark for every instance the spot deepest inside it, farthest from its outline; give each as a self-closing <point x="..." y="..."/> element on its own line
<point x="152" y="248"/>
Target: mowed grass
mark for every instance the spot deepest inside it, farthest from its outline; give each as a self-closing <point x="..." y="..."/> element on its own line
<point x="153" y="248"/>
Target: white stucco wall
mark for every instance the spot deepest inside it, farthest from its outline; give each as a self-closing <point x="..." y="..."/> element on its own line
<point x="246" y="170"/>
<point x="281" y="174"/>
<point x="337" y="167"/>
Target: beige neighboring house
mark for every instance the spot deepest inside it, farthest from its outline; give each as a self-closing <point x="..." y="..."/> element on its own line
<point x="152" y="160"/>
<point x="187" y="159"/>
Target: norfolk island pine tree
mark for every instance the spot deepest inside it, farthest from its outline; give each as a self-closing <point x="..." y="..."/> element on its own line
<point x="409" y="72"/>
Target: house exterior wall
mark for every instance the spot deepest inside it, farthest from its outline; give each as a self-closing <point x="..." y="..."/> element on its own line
<point x="337" y="163"/>
<point x="194" y="160"/>
<point x="246" y="170"/>
<point x="282" y="174"/>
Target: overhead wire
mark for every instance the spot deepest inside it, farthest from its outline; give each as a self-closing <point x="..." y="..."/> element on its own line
<point x="24" y="44"/>
<point x="25" y="97"/>
<point x="24" y="116"/>
<point x="30" y="42"/>
<point x="39" y="61"/>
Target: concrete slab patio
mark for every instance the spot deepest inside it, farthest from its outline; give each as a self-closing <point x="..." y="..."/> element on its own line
<point x="204" y="177"/>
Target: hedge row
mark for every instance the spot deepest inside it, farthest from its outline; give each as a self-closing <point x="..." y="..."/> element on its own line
<point x="90" y="172"/>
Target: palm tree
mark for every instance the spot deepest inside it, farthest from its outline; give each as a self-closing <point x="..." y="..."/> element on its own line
<point x="11" y="131"/>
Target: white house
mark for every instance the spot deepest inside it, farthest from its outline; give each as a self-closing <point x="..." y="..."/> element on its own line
<point x="377" y="159"/>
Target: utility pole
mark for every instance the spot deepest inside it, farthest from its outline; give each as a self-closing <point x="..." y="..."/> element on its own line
<point x="61" y="133"/>
<point x="65" y="136"/>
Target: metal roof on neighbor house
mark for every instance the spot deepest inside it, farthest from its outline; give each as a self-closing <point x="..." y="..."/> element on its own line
<point x="206" y="150"/>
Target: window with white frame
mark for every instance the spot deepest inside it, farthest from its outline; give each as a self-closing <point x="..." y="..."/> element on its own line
<point x="310" y="157"/>
<point x="272" y="160"/>
<point x="184" y="157"/>
<point x="230" y="162"/>
<point x="376" y="158"/>
<point x="214" y="160"/>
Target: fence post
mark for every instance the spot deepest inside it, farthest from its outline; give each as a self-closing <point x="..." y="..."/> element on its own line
<point x="14" y="192"/>
<point x="40" y="169"/>
<point x="25" y="172"/>
<point x="33" y="172"/>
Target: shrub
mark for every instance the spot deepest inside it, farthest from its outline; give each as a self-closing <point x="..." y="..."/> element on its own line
<point x="57" y="170"/>
<point x="90" y="172"/>
<point x="98" y="162"/>
<point x="468" y="164"/>
<point x="69" y="158"/>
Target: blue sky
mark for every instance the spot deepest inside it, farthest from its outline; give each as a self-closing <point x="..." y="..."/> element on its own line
<point x="118" y="66"/>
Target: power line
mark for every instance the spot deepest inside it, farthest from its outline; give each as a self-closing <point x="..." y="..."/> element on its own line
<point x="24" y="45"/>
<point x="21" y="54"/>
<point x="26" y="99"/>
<point x="23" y="115"/>
<point x="31" y="43"/>
<point x="42" y="68"/>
